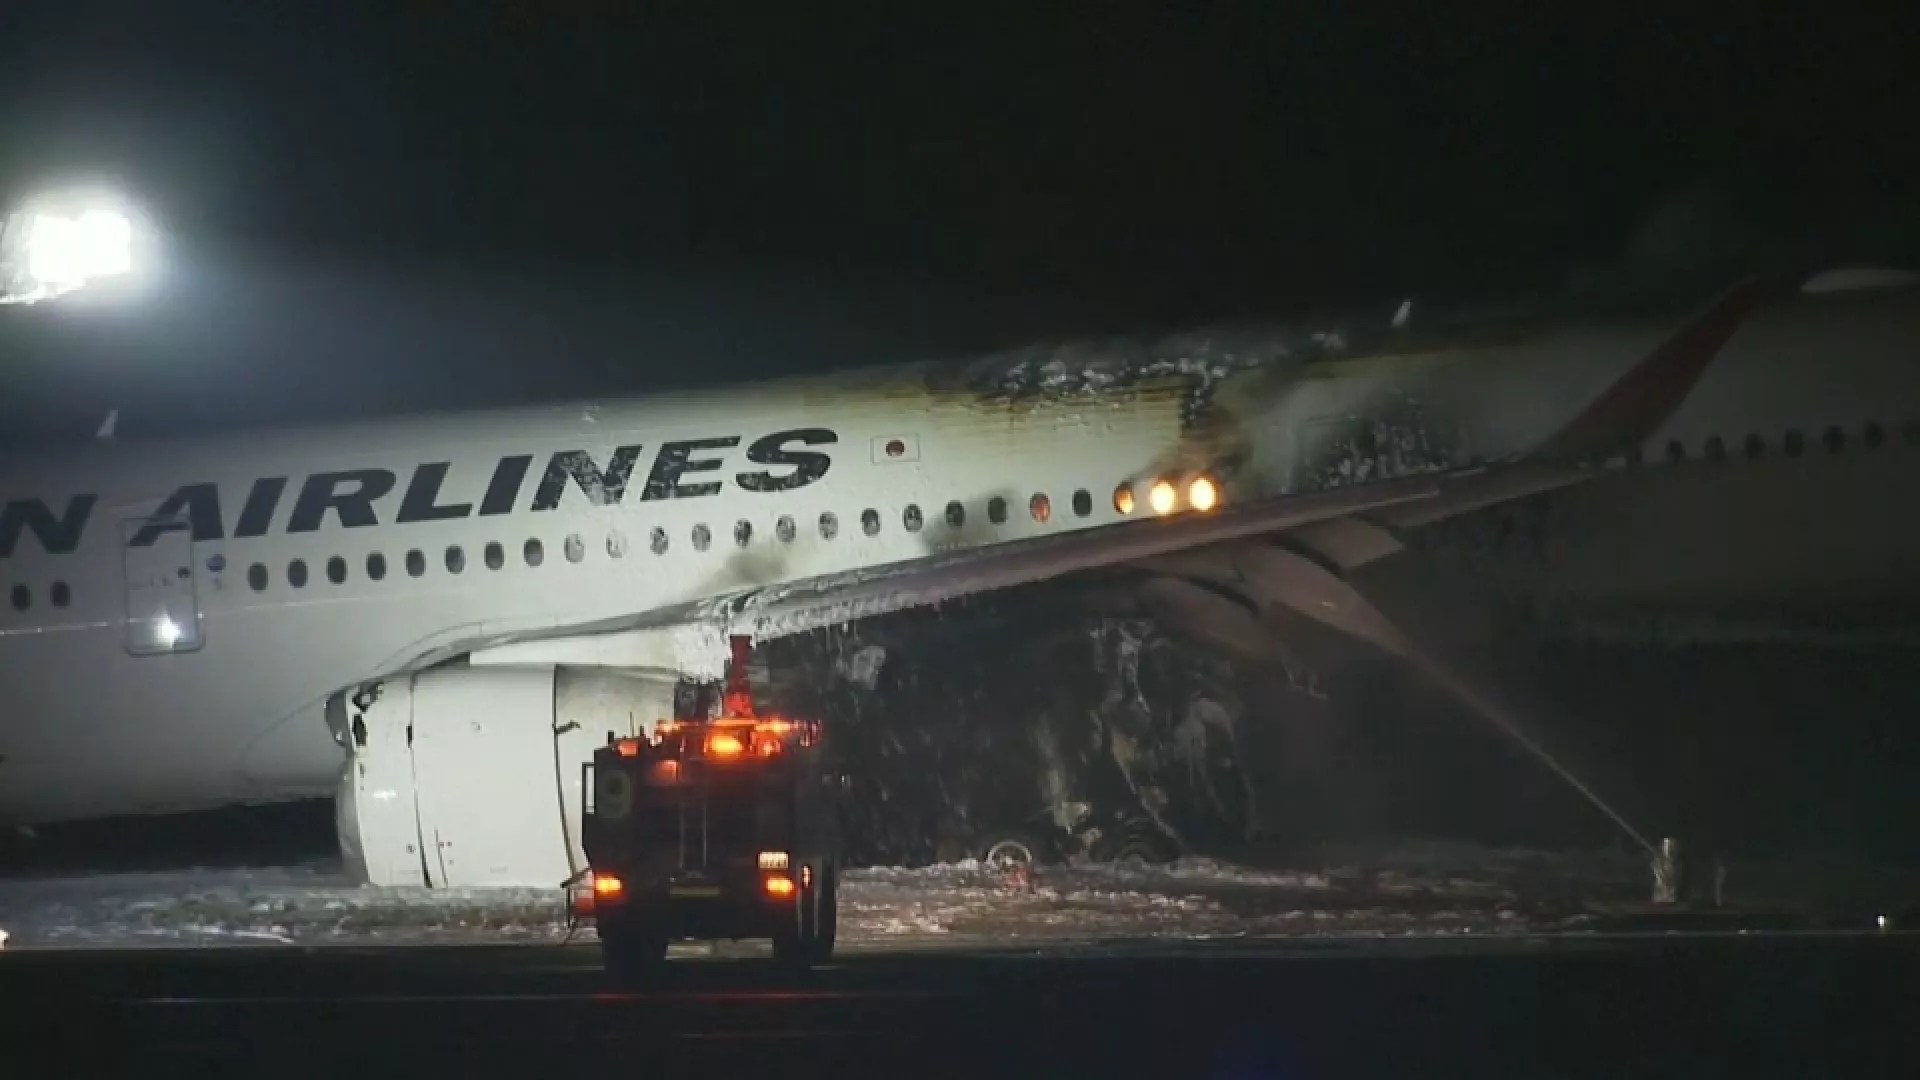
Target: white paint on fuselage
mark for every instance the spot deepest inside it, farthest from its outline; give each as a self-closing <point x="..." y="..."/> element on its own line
<point x="90" y="729"/>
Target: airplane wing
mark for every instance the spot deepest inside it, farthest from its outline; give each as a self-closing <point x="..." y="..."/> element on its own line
<point x="797" y="607"/>
<point x="1345" y="527"/>
<point x="1348" y="526"/>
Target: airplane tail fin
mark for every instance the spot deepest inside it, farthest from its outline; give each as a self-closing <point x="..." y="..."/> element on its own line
<point x="1640" y="401"/>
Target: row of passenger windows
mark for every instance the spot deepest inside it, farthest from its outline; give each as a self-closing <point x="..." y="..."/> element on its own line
<point x="1793" y="442"/>
<point x="58" y="595"/>
<point x="574" y="547"/>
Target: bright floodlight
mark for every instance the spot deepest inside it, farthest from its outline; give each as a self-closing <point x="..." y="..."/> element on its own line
<point x="57" y="246"/>
<point x="69" y="251"/>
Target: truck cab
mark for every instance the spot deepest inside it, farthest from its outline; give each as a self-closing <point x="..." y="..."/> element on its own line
<point x="721" y="828"/>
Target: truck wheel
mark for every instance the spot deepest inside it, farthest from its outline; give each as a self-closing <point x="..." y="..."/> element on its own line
<point x="632" y="953"/>
<point x="807" y="939"/>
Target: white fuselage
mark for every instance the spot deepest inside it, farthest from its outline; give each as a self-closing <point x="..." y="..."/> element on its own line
<point x="88" y="727"/>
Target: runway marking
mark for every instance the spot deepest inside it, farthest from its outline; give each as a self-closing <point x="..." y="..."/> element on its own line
<point x="608" y="996"/>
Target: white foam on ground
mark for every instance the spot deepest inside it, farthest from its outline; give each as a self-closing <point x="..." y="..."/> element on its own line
<point x="1428" y="889"/>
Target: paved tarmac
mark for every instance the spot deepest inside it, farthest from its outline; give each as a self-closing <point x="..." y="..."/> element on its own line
<point x="1651" y="1003"/>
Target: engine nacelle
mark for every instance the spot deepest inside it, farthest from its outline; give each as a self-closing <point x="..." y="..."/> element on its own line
<point x="469" y="776"/>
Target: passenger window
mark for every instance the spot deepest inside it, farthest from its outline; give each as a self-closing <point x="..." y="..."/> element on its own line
<point x="494" y="555"/>
<point x="456" y="559"/>
<point x="1041" y="508"/>
<point x="997" y="510"/>
<point x="22" y="597"/>
<point x="742" y="533"/>
<point x="870" y="521"/>
<point x="1082" y="503"/>
<point x="376" y="566"/>
<point x="1756" y="447"/>
<point x="829" y="526"/>
<point x="337" y="570"/>
<point x="784" y="529"/>
<point x="702" y="536"/>
<point x="59" y="594"/>
<point x="657" y="540"/>
<point x="534" y="551"/>
<point x="956" y="514"/>
<point x="1716" y="449"/>
<point x="297" y="573"/>
<point x="416" y="563"/>
<point x="1793" y="444"/>
<point x="1835" y="440"/>
<point x="1676" y="453"/>
<point x="1875" y="435"/>
<point x="575" y="548"/>
<point x="616" y="545"/>
<point x="257" y="577"/>
<point x="911" y="518"/>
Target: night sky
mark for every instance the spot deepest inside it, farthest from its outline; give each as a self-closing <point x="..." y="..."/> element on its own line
<point x="370" y="212"/>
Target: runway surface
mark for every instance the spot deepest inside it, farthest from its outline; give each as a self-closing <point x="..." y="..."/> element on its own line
<point x="1657" y="1002"/>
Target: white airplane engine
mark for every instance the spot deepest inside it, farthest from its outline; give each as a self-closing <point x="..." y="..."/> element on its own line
<point x="470" y="776"/>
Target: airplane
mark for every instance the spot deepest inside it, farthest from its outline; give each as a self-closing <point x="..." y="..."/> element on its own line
<point x="435" y="619"/>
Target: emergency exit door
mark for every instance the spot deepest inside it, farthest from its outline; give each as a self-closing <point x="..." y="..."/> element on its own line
<point x="163" y="611"/>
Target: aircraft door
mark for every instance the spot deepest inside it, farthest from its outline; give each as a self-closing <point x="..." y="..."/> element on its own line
<point x="163" y="609"/>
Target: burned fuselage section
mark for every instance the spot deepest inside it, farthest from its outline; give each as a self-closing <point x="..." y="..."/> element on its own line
<point x="1034" y="714"/>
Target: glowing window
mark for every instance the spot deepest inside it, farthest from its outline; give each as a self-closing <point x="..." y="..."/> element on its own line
<point x="1123" y="498"/>
<point x="1041" y="508"/>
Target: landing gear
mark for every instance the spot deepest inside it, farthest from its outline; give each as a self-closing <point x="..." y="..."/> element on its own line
<point x="807" y="938"/>
<point x="1018" y="846"/>
<point x="1136" y="838"/>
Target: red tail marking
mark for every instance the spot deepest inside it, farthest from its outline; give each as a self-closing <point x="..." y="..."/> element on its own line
<point x="1634" y="407"/>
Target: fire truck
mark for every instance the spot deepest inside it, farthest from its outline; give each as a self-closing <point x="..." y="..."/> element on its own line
<point x="711" y="827"/>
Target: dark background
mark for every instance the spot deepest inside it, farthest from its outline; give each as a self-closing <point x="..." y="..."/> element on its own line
<point x="401" y="206"/>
